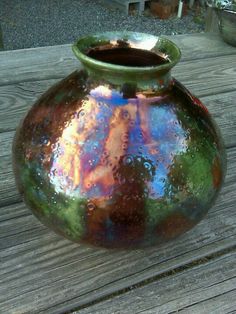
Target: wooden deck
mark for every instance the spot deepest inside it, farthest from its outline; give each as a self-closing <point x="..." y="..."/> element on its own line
<point x="40" y="272"/>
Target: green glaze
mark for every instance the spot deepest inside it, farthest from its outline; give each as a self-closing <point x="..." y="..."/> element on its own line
<point x="116" y="73"/>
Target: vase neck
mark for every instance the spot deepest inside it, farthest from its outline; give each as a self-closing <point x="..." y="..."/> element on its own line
<point x="156" y="82"/>
<point x="136" y="59"/>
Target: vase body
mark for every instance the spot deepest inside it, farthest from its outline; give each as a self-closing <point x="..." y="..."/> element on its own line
<point x="114" y="156"/>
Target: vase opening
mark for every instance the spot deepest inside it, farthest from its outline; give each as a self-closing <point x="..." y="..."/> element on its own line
<point x="127" y="56"/>
<point x="131" y="57"/>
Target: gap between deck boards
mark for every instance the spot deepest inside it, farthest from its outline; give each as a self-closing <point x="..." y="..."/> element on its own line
<point x="143" y="283"/>
<point x="60" y="68"/>
<point x="16" y="101"/>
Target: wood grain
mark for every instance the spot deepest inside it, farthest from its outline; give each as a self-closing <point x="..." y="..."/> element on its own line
<point x="16" y="99"/>
<point x="208" y="287"/>
<point x="201" y="46"/>
<point x="205" y="77"/>
<point x="36" y="64"/>
<point x="212" y="21"/>
<point x="58" y="61"/>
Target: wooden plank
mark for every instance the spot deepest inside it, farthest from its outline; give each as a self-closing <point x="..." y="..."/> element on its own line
<point x="191" y="45"/>
<point x="58" y="61"/>
<point x="36" y="69"/>
<point x="212" y="21"/>
<point x="8" y="191"/>
<point x="201" y="46"/>
<point x="16" y="99"/>
<point x="209" y="287"/>
<point x="41" y="272"/>
<point x="208" y="76"/>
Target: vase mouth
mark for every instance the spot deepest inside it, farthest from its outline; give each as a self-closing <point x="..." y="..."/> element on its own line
<point x="140" y="53"/>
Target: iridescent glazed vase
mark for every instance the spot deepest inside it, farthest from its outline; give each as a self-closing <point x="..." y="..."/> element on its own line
<point x="119" y="153"/>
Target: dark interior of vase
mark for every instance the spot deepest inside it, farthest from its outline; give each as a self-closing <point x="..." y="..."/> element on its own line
<point x="132" y="57"/>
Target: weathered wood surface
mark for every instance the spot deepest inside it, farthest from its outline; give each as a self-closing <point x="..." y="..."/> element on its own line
<point x="212" y="21"/>
<point x="214" y="82"/>
<point x="41" y="272"/>
<point x="57" y="61"/>
<point x="209" y="286"/>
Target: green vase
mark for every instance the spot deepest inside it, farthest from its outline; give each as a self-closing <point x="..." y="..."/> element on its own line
<point x="119" y="153"/>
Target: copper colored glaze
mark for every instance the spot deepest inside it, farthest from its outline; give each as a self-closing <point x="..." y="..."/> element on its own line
<point x="117" y="160"/>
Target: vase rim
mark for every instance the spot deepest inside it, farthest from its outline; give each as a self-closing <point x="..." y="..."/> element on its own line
<point x="136" y="40"/>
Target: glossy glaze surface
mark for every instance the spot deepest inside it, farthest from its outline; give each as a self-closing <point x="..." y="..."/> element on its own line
<point x="116" y="165"/>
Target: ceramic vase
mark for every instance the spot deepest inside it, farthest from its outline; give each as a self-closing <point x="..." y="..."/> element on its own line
<point x="119" y="153"/>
